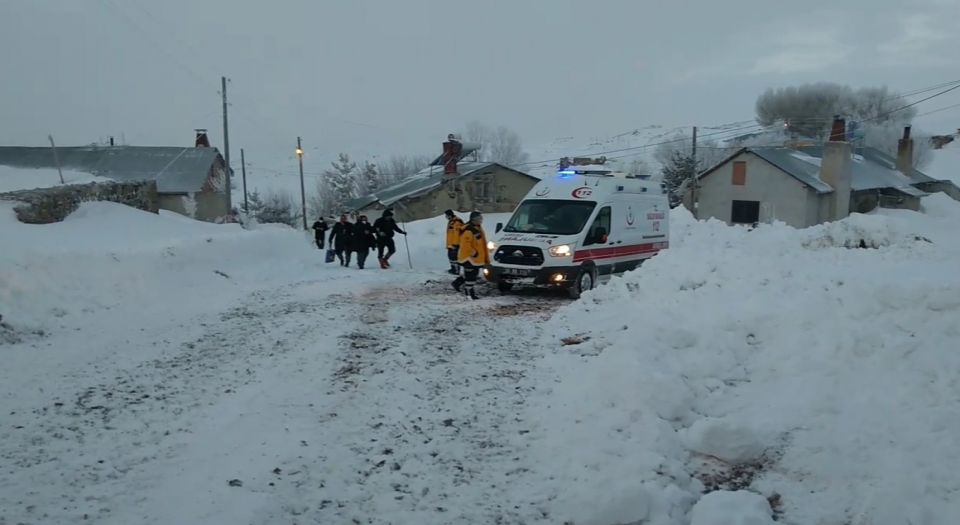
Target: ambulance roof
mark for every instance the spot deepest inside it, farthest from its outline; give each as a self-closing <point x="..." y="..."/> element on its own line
<point x="563" y="184"/>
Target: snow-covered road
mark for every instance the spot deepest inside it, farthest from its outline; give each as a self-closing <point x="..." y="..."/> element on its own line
<point x="384" y="404"/>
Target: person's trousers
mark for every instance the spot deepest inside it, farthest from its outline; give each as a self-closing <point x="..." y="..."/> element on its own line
<point x="452" y="257"/>
<point x="362" y="257"/>
<point x="470" y="274"/>
<point x="388" y="244"/>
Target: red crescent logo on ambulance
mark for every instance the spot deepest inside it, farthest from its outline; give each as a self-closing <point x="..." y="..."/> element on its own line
<point x="543" y="191"/>
<point x="630" y="216"/>
<point x="581" y="193"/>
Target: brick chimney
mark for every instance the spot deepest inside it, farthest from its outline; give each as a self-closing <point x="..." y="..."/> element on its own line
<point x="835" y="170"/>
<point x="201" y="141"/>
<point x="451" y="154"/>
<point x="905" y="153"/>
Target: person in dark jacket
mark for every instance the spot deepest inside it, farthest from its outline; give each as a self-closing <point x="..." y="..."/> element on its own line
<point x="341" y="238"/>
<point x="385" y="227"/>
<point x="364" y="240"/>
<point x="319" y="232"/>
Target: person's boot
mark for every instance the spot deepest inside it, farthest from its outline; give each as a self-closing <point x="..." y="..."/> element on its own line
<point x="470" y="292"/>
<point x="383" y="263"/>
<point x="453" y="270"/>
<point x="457" y="283"/>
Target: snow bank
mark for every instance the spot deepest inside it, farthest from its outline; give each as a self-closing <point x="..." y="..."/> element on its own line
<point x="787" y="362"/>
<point x="13" y="179"/>
<point x="731" y="508"/>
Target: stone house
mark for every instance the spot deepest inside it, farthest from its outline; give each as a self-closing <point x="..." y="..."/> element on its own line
<point x="190" y="180"/>
<point x="806" y="185"/>
<point x="449" y="183"/>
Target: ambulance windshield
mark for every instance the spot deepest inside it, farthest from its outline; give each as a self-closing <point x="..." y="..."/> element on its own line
<point x="551" y="217"/>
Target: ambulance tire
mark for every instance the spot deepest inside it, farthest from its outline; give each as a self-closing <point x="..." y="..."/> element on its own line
<point x="586" y="280"/>
<point x="504" y="286"/>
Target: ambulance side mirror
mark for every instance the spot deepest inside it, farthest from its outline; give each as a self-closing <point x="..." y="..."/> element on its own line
<point x="499" y="227"/>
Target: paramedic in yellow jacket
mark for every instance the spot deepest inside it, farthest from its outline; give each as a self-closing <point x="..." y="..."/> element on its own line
<point x="473" y="255"/>
<point x="454" y="229"/>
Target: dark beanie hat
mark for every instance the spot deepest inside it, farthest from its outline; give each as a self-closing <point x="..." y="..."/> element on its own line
<point x="475" y="214"/>
<point x="448" y="213"/>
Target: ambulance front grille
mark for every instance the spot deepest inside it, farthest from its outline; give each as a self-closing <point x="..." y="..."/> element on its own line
<point x="519" y="255"/>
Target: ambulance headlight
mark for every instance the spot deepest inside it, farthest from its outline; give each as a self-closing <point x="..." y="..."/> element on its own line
<point x="562" y="250"/>
<point x="491" y="245"/>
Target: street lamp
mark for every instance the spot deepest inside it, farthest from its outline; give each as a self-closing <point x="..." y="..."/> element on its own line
<point x="303" y="193"/>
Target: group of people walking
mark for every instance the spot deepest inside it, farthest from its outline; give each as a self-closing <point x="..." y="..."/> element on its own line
<point x="361" y="237"/>
<point x="466" y="243"/>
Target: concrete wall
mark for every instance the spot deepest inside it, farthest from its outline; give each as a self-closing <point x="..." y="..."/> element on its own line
<point x="47" y="205"/>
<point x="210" y="206"/>
<point x="781" y="197"/>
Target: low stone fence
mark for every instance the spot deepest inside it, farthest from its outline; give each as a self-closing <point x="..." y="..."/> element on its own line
<point x="46" y="205"/>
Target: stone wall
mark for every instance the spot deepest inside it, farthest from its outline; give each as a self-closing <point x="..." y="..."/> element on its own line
<point x="46" y="205"/>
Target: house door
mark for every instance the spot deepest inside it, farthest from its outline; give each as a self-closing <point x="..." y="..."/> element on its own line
<point x="745" y="212"/>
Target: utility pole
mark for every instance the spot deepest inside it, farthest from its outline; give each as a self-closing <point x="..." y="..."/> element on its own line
<point x="56" y="158"/>
<point x="243" y="169"/>
<point x="226" y="140"/>
<point x="694" y="197"/>
<point x="303" y="192"/>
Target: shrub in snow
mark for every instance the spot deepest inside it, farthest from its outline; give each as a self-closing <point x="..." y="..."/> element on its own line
<point x="732" y="508"/>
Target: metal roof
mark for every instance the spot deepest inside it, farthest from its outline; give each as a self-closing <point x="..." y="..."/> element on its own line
<point x="176" y="169"/>
<point x="869" y="168"/>
<point x="422" y="182"/>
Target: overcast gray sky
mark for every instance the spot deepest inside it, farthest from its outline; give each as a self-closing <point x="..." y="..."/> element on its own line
<point x="390" y="76"/>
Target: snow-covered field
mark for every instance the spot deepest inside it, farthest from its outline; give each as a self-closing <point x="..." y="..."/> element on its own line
<point x="161" y="370"/>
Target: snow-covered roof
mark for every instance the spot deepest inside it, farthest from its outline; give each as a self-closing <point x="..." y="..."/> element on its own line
<point x="422" y="182"/>
<point x="869" y="169"/>
<point x="945" y="164"/>
<point x="176" y="169"/>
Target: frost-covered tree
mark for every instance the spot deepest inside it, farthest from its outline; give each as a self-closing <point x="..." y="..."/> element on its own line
<point x="498" y="144"/>
<point x="368" y="179"/>
<point x="679" y="168"/>
<point x="274" y="207"/>
<point x="341" y="180"/>
<point x="809" y="109"/>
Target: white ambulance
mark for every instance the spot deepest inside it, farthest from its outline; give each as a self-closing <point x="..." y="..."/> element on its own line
<point x="578" y="227"/>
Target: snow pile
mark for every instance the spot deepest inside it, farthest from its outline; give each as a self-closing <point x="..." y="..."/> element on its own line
<point x="109" y="256"/>
<point x="790" y="363"/>
<point x="13" y="179"/>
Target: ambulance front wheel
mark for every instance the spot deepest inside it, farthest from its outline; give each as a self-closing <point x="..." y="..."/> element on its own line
<point x="586" y="280"/>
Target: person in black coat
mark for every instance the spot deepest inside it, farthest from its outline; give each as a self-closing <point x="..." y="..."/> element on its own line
<point x="320" y="232"/>
<point x="364" y="240"/>
<point x="386" y="226"/>
<point x="341" y="238"/>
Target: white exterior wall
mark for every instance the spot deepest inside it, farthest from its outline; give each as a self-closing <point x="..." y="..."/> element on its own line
<point x="782" y="197"/>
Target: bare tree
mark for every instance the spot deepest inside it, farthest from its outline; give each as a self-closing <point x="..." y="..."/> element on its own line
<point x="399" y="167"/>
<point x="499" y="144"/>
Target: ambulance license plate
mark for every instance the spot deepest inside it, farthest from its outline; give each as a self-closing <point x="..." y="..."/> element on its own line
<point x="517" y="272"/>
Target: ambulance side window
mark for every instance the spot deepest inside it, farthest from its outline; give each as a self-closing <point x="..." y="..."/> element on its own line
<point x="600" y="228"/>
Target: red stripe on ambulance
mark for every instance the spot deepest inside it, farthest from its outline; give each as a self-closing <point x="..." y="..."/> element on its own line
<point x="618" y="251"/>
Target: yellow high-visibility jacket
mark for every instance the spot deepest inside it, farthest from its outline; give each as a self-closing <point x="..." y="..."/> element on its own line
<point x="454" y="229"/>
<point x="473" y="246"/>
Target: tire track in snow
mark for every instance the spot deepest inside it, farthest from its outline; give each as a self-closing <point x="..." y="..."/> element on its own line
<point x="429" y="397"/>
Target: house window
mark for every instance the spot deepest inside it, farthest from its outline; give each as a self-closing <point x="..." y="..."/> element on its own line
<point x="739" y="173"/>
<point x="483" y="191"/>
<point x="745" y="212"/>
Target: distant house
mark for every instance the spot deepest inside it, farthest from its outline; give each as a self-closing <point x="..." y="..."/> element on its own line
<point x="806" y="185"/>
<point x="449" y="183"/>
<point x="190" y="181"/>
